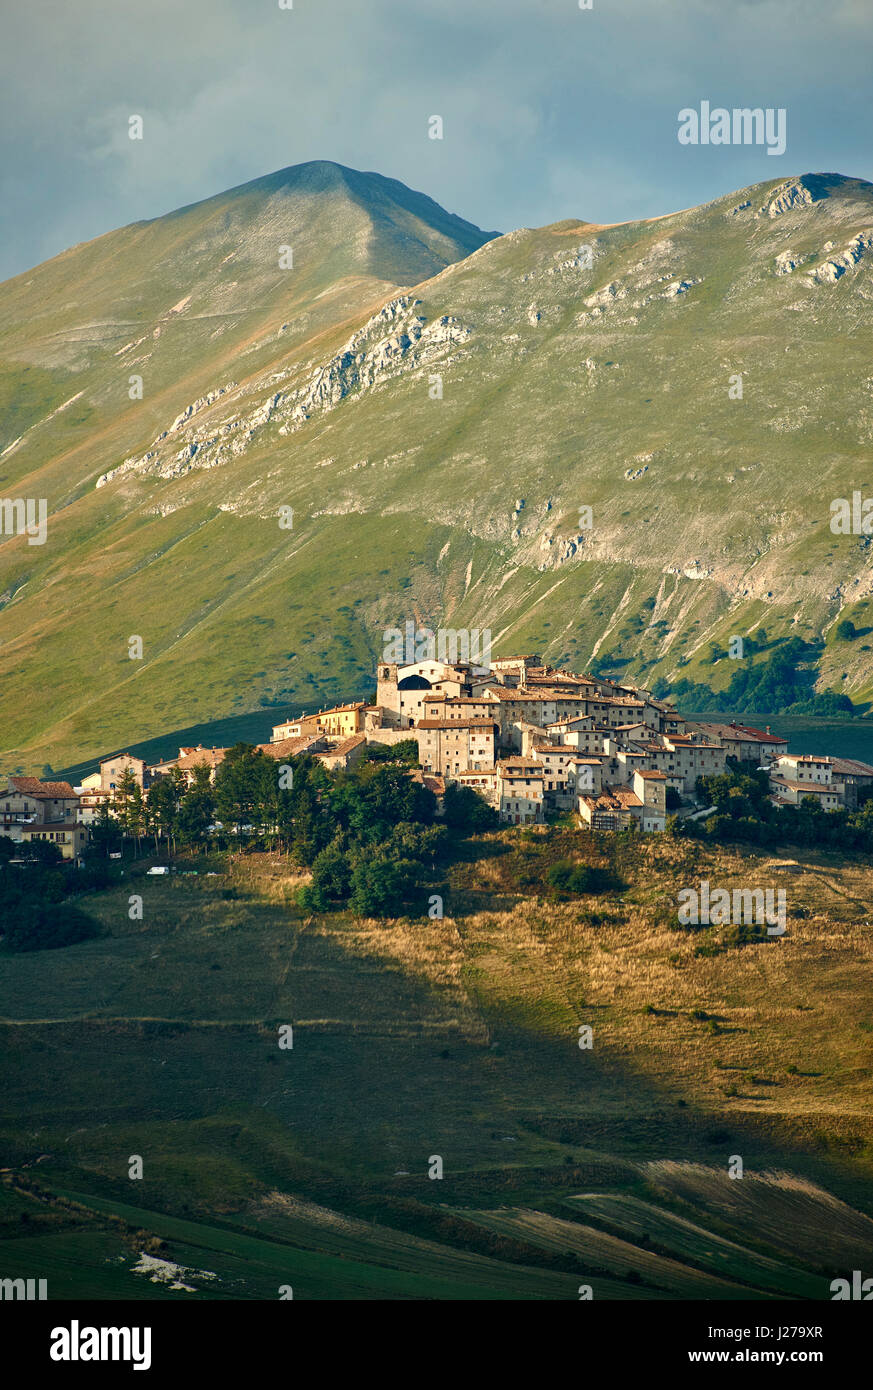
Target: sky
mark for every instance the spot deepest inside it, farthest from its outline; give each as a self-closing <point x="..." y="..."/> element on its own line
<point x="548" y="110"/>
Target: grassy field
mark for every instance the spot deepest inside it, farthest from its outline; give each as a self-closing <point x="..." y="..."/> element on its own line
<point x="308" y="1166"/>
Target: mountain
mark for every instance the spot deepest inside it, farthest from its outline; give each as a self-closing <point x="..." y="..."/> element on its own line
<point x="580" y="366"/>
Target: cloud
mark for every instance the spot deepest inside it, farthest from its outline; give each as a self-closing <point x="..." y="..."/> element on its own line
<point x="549" y="111"/>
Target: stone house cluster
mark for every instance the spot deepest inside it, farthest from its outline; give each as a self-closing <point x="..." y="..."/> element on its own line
<point x="31" y="810"/>
<point x="34" y="810"/>
<point x="833" y="782"/>
<point x="528" y="737"/>
<point x="531" y="739"/>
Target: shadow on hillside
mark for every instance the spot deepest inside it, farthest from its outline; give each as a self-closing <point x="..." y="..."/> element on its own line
<point x="388" y="1068"/>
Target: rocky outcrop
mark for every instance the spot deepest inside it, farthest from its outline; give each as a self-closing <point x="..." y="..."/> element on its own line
<point x="557" y="550"/>
<point x="582" y="260"/>
<point x="799" y="194"/>
<point x="786" y="261"/>
<point x="394" y="340"/>
<point x="833" y="270"/>
<point x="602" y="297"/>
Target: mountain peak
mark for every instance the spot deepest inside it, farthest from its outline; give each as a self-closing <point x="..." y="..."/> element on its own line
<point x="581" y="364"/>
<point x="374" y="224"/>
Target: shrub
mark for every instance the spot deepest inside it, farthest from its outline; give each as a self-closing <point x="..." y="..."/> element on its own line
<point x="567" y="878"/>
<point x="464" y="808"/>
<point x="40" y="927"/>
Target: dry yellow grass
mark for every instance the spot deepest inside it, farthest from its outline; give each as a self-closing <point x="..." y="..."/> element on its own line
<point x="782" y="1024"/>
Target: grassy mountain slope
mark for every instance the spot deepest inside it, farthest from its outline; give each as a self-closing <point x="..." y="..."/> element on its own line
<point x="580" y="366"/>
<point x="456" y="1037"/>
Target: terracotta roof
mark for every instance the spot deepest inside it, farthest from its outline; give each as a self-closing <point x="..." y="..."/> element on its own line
<point x="43" y="791"/>
<point x="740" y="732"/>
<point x="811" y="788"/>
<point x="550" y="695"/>
<point x="198" y="757"/>
<point x="434" y="783"/>
<point x="760" y="735"/>
<point x="340" y="750"/>
<point x="613" y="799"/>
<point x="290" y="747"/>
<point x="520" y="767"/>
<point x="654" y="776"/>
<point x="851" y="767"/>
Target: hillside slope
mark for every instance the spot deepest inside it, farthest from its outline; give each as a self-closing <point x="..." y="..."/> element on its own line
<point x="458" y="1037"/>
<point x="580" y="366"/>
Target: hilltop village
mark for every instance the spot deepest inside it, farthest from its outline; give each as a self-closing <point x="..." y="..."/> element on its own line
<point x="529" y="738"/>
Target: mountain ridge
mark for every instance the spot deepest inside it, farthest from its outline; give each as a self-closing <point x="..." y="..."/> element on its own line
<point x="403" y="502"/>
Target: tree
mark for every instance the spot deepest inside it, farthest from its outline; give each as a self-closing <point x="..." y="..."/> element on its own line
<point x="248" y="791"/>
<point x="127" y="813"/>
<point x="44" y="852"/>
<point x="567" y="878"/>
<point x="465" y="809"/>
<point x="331" y="879"/>
<point x="165" y="799"/>
<point x="845" y="631"/>
<point x="405" y="750"/>
<point x="381" y="886"/>
<point x="106" y="836"/>
<point x="374" y="797"/>
<point x="136" y="815"/>
<point x="310" y="828"/>
<point x="412" y="840"/>
<point x="196" y="809"/>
